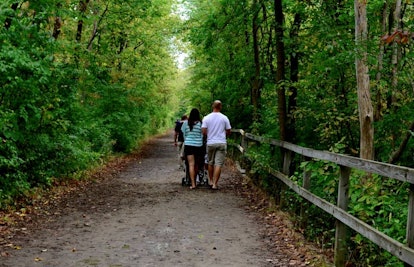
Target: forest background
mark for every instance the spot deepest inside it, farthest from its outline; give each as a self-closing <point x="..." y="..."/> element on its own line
<point x="82" y="81"/>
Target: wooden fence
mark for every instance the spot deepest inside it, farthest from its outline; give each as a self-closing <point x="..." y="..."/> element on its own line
<point x="404" y="252"/>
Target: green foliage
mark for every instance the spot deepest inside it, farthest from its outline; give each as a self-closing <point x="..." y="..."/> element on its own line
<point x="68" y="101"/>
<point x="382" y="203"/>
<point x="324" y="179"/>
<point x="13" y="179"/>
<point x="391" y="131"/>
<point x="323" y="183"/>
<point x="366" y="253"/>
<point x="221" y="63"/>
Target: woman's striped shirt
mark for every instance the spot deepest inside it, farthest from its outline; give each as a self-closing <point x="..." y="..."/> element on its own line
<point x="194" y="137"/>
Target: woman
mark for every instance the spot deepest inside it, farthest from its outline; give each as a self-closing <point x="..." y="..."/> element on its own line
<point x="193" y="144"/>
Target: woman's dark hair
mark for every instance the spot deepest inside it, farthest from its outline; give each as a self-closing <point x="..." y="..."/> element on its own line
<point x="194" y="118"/>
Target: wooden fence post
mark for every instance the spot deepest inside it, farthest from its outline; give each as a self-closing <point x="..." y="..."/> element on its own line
<point x="244" y="144"/>
<point x="341" y="228"/>
<point x="410" y="221"/>
<point x="243" y="140"/>
<point x="306" y="185"/>
<point x="287" y="157"/>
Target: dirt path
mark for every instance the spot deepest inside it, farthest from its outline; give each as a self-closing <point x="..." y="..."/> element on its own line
<point x="144" y="217"/>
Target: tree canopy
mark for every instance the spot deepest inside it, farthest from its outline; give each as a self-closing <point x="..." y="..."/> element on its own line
<point x="80" y="80"/>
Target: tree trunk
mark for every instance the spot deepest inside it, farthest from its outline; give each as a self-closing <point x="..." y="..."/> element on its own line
<point x="365" y="108"/>
<point x="83" y="5"/>
<point x="395" y="52"/>
<point x="56" y="27"/>
<point x="280" y="71"/>
<point x="256" y="82"/>
<point x="294" y="71"/>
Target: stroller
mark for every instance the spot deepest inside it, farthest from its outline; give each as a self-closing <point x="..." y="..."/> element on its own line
<point x="201" y="176"/>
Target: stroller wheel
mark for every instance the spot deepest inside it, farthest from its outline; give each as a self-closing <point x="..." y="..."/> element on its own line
<point x="201" y="175"/>
<point x="205" y="180"/>
<point x="185" y="181"/>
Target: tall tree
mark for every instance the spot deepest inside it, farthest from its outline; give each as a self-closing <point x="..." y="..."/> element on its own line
<point x="365" y="108"/>
<point x="294" y="76"/>
<point x="280" y="71"/>
<point x="256" y="81"/>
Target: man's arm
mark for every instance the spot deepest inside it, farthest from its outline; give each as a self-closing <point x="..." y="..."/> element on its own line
<point x="228" y="127"/>
<point x="204" y="131"/>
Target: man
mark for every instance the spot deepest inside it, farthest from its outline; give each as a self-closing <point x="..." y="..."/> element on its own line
<point x="179" y="139"/>
<point x="216" y="126"/>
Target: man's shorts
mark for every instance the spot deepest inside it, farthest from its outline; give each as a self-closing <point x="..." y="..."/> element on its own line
<point x="216" y="154"/>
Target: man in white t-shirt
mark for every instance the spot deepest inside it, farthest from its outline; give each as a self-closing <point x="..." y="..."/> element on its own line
<point x="217" y="127"/>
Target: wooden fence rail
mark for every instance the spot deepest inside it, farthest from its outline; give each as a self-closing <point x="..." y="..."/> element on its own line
<point x="404" y="252"/>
